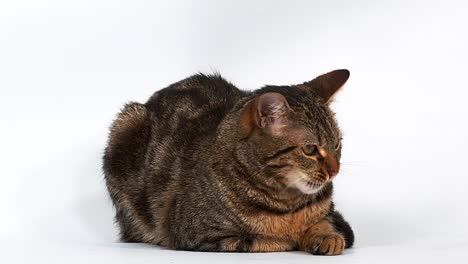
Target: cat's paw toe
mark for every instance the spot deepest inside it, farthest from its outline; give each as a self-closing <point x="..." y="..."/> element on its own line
<point x="327" y="245"/>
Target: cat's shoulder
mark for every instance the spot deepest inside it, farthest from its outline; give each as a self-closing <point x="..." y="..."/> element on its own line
<point x="199" y="89"/>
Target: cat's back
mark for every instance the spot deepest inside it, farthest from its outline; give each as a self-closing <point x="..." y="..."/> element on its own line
<point x="151" y="144"/>
<point x="168" y="126"/>
<point x="201" y="98"/>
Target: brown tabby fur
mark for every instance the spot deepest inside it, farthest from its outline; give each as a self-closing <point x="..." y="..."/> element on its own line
<point x="205" y="166"/>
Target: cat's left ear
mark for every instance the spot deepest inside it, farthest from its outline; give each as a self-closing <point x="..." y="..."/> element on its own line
<point x="268" y="112"/>
<point x="326" y="85"/>
<point x="272" y="110"/>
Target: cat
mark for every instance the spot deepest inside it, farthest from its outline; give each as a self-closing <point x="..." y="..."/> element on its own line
<point x="205" y="166"/>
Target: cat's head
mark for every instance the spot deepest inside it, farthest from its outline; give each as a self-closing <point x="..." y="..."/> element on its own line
<point x="293" y="132"/>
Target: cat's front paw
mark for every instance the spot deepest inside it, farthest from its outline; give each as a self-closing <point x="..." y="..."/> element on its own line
<point x="332" y="244"/>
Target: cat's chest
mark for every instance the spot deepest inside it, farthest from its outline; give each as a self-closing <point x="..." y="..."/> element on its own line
<point x="287" y="225"/>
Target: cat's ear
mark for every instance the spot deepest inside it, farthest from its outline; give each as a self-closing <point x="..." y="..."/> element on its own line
<point x="271" y="111"/>
<point x="268" y="111"/>
<point x="326" y="85"/>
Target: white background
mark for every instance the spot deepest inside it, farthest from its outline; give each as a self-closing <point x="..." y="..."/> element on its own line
<point x="66" y="68"/>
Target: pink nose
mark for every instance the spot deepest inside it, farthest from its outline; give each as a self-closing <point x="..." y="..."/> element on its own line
<point x="332" y="166"/>
<point x="332" y="173"/>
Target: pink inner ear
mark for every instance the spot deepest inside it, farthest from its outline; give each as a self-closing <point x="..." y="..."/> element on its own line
<point x="271" y="109"/>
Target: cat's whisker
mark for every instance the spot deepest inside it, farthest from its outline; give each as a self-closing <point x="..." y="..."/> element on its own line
<point x="260" y="170"/>
<point x="344" y="169"/>
<point x="354" y="163"/>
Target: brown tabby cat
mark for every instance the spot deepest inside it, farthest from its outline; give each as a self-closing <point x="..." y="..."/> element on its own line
<point x="205" y="166"/>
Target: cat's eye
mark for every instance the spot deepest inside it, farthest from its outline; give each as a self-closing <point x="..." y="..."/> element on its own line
<point x="309" y="149"/>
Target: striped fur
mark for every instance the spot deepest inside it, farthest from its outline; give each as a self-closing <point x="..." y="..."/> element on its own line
<point x="205" y="166"/>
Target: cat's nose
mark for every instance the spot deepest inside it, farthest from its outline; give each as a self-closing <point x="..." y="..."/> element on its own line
<point x="332" y="166"/>
<point x="332" y="173"/>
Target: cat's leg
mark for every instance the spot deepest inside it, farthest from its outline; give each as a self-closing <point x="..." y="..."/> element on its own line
<point x="247" y="243"/>
<point x="342" y="227"/>
<point x="269" y="244"/>
<point x="323" y="239"/>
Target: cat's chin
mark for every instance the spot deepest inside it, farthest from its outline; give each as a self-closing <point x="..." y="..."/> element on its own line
<point x="298" y="180"/>
<point x="308" y="187"/>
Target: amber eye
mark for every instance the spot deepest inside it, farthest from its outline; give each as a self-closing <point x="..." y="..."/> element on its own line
<point x="309" y="149"/>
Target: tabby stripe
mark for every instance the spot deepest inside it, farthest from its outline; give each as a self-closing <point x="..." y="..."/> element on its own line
<point x="282" y="152"/>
